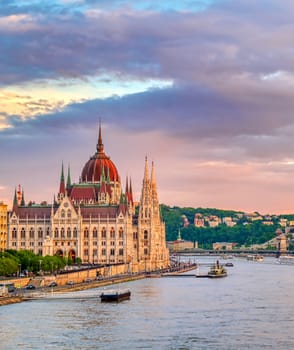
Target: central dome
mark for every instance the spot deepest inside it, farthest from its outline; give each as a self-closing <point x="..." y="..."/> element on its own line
<point x="99" y="166"/>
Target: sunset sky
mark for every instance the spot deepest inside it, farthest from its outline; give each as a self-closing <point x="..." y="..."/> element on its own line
<point x="203" y="88"/>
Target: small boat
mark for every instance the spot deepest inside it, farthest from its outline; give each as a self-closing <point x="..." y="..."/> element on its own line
<point x="286" y="260"/>
<point x="229" y="264"/>
<point x="111" y="295"/>
<point x="258" y="258"/>
<point x="217" y="271"/>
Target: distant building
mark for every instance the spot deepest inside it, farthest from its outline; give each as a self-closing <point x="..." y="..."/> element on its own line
<point x="214" y="221"/>
<point x="228" y="221"/>
<point x="222" y="246"/>
<point x="181" y="244"/>
<point x="185" y="221"/>
<point x="267" y="223"/>
<point x="199" y="220"/>
<point x="3" y="226"/>
<point x="283" y="222"/>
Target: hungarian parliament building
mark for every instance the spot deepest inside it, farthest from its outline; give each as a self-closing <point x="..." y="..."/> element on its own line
<point x="94" y="219"/>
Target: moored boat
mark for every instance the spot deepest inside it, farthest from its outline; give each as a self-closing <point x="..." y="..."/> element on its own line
<point x="217" y="271"/>
<point x="253" y="257"/>
<point x="115" y="295"/>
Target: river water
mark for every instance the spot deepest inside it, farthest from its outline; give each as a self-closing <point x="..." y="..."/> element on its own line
<point x="252" y="308"/>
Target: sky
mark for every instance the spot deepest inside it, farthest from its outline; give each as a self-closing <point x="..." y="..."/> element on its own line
<point x="204" y="88"/>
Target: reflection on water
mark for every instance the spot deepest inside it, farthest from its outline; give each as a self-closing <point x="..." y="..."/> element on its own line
<point x="250" y="309"/>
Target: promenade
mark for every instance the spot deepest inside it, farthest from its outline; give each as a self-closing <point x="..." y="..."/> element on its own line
<point x="21" y="295"/>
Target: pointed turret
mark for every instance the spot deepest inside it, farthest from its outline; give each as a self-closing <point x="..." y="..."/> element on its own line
<point x="146" y="171"/>
<point x="108" y="176"/>
<point x="62" y="184"/>
<point x="127" y="187"/>
<point x="102" y="175"/>
<point x="19" y="195"/>
<point x="15" y="202"/>
<point x="131" y="192"/>
<point x="100" y="146"/>
<point x="153" y="180"/>
<point x="153" y="184"/>
<point x="22" y="203"/>
<point x="68" y="182"/>
<point x="154" y="195"/>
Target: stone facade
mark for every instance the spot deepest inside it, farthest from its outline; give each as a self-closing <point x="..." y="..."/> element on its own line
<point x="3" y="226"/>
<point x="95" y="220"/>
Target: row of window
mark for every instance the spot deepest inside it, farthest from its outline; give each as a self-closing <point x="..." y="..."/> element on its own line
<point x="23" y="244"/>
<point x="74" y="233"/>
<point x="104" y="252"/>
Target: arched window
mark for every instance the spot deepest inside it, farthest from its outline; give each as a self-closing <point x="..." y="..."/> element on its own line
<point x="62" y="233"/>
<point x="145" y="234"/>
<point x="86" y="232"/>
<point x="103" y="232"/>
<point x="32" y="233"/>
<point x="68" y="232"/>
<point x="112" y="233"/>
<point x="75" y="232"/>
<point x="68" y="213"/>
<point x="23" y="233"/>
<point x="62" y="213"/>
<point x="14" y="233"/>
<point x="40" y="233"/>
<point x="95" y="233"/>
<point x="121" y="233"/>
<point x="56" y="233"/>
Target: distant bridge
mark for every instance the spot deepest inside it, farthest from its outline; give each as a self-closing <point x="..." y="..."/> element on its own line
<point x="197" y="252"/>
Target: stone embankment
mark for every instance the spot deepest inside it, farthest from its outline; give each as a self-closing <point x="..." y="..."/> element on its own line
<point x="98" y="283"/>
<point x="10" y="300"/>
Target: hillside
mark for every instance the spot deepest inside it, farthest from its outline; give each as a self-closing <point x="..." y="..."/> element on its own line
<point x="216" y="225"/>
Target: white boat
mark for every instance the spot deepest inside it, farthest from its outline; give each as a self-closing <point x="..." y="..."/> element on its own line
<point x="286" y="260"/>
<point x="254" y="257"/>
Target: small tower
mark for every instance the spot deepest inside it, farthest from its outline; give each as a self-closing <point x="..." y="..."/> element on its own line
<point x="281" y="243"/>
<point x="68" y="182"/>
<point x="61" y="192"/>
<point x="19" y="195"/>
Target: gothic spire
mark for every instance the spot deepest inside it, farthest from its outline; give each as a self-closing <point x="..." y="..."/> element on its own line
<point x="127" y="187"/>
<point x="15" y="201"/>
<point x="62" y="184"/>
<point x="22" y="203"/>
<point x="15" y="198"/>
<point x="131" y="192"/>
<point x="68" y="182"/>
<point x="100" y="146"/>
<point x="108" y="176"/>
<point x="146" y="171"/>
<point x="153" y="180"/>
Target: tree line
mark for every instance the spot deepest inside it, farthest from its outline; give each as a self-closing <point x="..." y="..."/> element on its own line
<point x="13" y="263"/>
<point x="241" y="234"/>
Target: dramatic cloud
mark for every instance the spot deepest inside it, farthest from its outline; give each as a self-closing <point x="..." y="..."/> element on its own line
<point x="204" y="86"/>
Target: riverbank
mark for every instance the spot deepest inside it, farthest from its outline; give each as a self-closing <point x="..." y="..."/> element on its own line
<point x="10" y="300"/>
<point x="94" y="284"/>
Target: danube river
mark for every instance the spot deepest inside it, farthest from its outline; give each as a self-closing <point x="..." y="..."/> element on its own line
<point x="252" y="308"/>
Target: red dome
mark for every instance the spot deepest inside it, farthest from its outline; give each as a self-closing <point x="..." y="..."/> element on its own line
<point x="95" y="167"/>
<point x="99" y="165"/>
